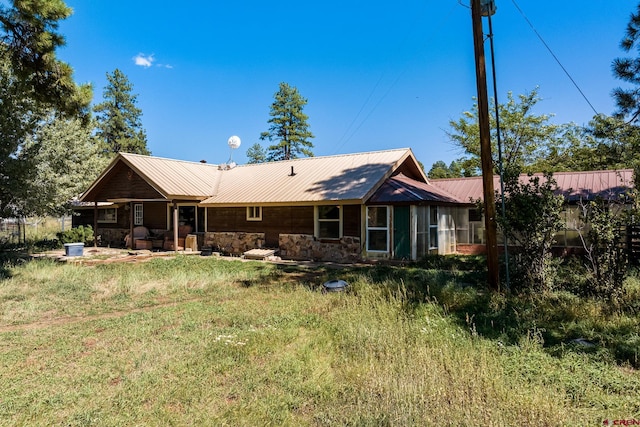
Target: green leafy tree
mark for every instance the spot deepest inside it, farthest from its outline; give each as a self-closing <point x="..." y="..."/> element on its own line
<point x="65" y="160"/>
<point x="533" y="215"/>
<point x="525" y="137"/>
<point x="440" y="170"/>
<point x="606" y="255"/>
<point x="119" y="125"/>
<point x="29" y="37"/>
<point x="288" y="126"/>
<point x="256" y="154"/>
<point x="32" y="81"/>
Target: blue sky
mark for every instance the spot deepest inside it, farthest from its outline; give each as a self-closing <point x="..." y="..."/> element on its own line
<point x="376" y="75"/>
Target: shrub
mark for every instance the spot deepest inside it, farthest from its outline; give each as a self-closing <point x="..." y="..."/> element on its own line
<point x="532" y="218"/>
<point x="82" y="234"/>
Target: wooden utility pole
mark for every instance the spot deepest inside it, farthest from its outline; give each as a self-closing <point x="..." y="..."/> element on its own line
<point x="485" y="149"/>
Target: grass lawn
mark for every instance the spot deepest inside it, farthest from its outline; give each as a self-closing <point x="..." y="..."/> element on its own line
<point x="204" y="341"/>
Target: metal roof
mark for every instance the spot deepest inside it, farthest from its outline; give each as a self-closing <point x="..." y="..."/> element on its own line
<point x="171" y="178"/>
<point x="346" y="178"/>
<point x="402" y="189"/>
<point x="574" y="186"/>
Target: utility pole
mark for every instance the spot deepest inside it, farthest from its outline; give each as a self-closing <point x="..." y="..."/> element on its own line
<point x="485" y="148"/>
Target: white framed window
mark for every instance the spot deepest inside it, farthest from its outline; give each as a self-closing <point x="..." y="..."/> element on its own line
<point x="108" y="215"/>
<point x="328" y="222"/>
<point x="377" y="229"/>
<point x="138" y="214"/>
<point x="254" y="213"/>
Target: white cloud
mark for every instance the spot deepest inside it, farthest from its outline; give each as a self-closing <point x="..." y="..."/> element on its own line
<point x="143" y="60"/>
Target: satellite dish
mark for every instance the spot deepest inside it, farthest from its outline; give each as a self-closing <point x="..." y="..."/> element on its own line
<point x="234" y="142"/>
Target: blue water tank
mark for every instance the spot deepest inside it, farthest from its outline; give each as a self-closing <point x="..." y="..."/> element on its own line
<point x="74" y="249"/>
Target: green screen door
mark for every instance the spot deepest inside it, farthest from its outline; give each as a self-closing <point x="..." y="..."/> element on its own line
<point x="401" y="232"/>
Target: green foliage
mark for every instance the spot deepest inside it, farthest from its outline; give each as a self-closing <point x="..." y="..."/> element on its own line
<point x="119" y="127"/>
<point x="29" y="39"/>
<point x="256" y="154"/>
<point x="83" y="234"/>
<point x="532" y="218"/>
<point x="64" y="160"/>
<point x="606" y="256"/>
<point x="613" y="143"/>
<point x="440" y="170"/>
<point x="288" y="126"/>
<point x="628" y="70"/>
<point x="524" y="136"/>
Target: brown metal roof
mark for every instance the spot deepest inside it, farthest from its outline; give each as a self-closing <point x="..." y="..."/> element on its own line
<point x="402" y="189"/>
<point x="346" y="178"/>
<point x="573" y="185"/>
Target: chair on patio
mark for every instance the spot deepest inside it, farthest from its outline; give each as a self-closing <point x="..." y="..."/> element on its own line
<point x="183" y="230"/>
<point x="141" y="238"/>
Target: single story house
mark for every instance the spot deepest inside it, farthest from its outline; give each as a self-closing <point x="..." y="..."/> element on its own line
<point x="374" y="205"/>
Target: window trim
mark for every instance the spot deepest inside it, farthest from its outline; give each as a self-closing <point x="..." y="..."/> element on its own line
<point x="138" y="214"/>
<point x="318" y="220"/>
<point x="251" y="213"/>
<point x="108" y="221"/>
<point x="369" y="228"/>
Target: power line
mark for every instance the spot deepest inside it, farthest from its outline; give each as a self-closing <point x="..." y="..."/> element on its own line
<point x="344" y="139"/>
<point x="554" y="56"/>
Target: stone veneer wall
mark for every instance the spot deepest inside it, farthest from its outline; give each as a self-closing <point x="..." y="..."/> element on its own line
<point x="307" y="247"/>
<point x="233" y="243"/>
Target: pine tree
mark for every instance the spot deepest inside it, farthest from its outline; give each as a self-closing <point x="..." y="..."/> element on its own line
<point x="119" y="127"/>
<point x="289" y="128"/>
<point x="628" y="70"/>
<point x="29" y="38"/>
<point x="256" y="154"/>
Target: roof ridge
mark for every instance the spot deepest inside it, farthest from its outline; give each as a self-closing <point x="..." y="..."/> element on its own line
<point x="167" y="159"/>
<point x="326" y="157"/>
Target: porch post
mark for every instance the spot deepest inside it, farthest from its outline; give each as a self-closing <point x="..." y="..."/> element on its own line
<point x="131" y="243"/>
<point x="175" y="226"/>
<point x="95" y="224"/>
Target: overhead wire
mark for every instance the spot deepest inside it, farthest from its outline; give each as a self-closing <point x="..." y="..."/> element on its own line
<point x="344" y="139"/>
<point x="554" y="56"/>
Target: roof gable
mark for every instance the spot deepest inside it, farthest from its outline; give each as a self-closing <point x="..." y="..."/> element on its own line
<point x="170" y="179"/>
<point x="402" y="189"/>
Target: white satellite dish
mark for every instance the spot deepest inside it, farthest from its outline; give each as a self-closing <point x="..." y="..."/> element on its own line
<point x="234" y="142"/>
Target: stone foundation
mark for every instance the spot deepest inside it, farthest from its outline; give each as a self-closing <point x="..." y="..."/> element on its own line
<point x="233" y="243"/>
<point x="307" y="247"/>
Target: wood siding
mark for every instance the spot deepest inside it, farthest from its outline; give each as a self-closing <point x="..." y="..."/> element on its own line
<point x="351" y="220"/>
<point x="278" y="220"/>
<point x="122" y="183"/>
<point x="275" y="221"/>
<point x="155" y="215"/>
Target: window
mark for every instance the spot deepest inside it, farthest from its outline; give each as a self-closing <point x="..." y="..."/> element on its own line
<point x="377" y="229"/>
<point x="433" y="228"/>
<point x="108" y="215"/>
<point x="138" y="214"/>
<point x="254" y="213"/>
<point x="329" y="224"/>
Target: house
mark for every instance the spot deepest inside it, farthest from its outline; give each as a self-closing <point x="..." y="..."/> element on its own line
<point x="374" y="205"/>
